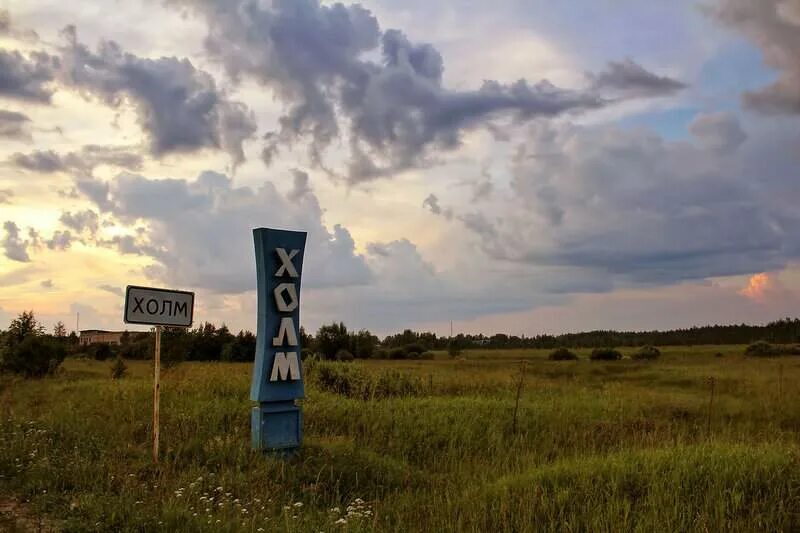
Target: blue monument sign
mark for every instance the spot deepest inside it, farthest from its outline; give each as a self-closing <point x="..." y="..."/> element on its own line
<point x="277" y="422"/>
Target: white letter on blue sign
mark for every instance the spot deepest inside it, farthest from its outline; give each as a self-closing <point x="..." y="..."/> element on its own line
<point x="285" y="367"/>
<point x="280" y="300"/>
<point x="286" y="263"/>
<point x="286" y="333"/>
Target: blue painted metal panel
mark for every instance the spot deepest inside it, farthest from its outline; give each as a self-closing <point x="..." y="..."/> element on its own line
<point x="267" y="241"/>
<point x="277" y="421"/>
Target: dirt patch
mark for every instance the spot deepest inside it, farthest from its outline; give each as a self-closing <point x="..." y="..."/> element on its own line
<point x="18" y="517"/>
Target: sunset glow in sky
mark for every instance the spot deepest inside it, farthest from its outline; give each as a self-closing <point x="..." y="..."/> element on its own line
<point x="513" y="166"/>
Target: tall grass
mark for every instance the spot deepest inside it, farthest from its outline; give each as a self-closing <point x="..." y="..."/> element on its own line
<point x="617" y="446"/>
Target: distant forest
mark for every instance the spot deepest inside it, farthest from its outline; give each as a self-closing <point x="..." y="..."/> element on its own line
<point x="334" y="341"/>
<point x="208" y="342"/>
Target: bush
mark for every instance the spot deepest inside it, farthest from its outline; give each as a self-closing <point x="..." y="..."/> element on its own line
<point x="397" y="353"/>
<point x="35" y="356"/>
<point x="762" y="349"/>
<point x="562" y="354"/>
<point x="99" y="351"/>
<point x="427" y="356"/>
<point x="381" y="353"/>
<point x="453" y="348"/>
<point x="765" y="349"/>
<point x="344" y="355"/>
<point x="412" y="355"/>
<point x="118" y="368"/>
<point x="414" y="347"/>
<point x="605" y="354"/>
<point x="647" y="353"/>
<point x="355" y="382"/>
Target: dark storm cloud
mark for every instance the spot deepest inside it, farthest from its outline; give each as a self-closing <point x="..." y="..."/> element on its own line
<point x="642" y="208"/>
<point x="628" y="78"/>
<point x="14" y="125"/>
<point x="85" y="161"/>
<point x="393" y="112"/>
<point x="179" y="107"/>
<point x="774" y="26"/>
<point x="27" y="78"/>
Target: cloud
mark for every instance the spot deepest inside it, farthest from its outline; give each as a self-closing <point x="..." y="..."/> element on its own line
<point x="199" y="232"/>
<point x="84" y="161"/>
<point x="628" y="78"/>
<point x="7" y="29"/>
<point x="431" y="202"/>
<point x="47" y="284"/>
<point x="117" y="291"/>
<point x="718" y="131"/>
<point x="27" y="78"/>
<point x="300" y="187"/>
<point x="81" y="221"/>
<point x="178" y="106"/>
<point x="392" y="114"/>
<point x="14" y="125"/>
<point x="639" y="208"/>
<point x="61" y="240"/>
<point x="6" y="195"/>
<point x="774" y="26"/>
<point x="14" y="247"/>
<point x="764" y="287"/>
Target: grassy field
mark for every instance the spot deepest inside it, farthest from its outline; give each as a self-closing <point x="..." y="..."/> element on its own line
<point x="617" y="446"/>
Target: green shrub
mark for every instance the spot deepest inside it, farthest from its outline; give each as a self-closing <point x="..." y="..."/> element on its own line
<point x="605" y="354"/>
<point x="354" y="382"/>
<point x="414" y="348"/>
<point x="427" y="356"/>
<point x="562" y="354"/>
<point x="412" y="355"/>
<point x="647" y="353"/>
<point x="344" y="355"/>
<point x="99" y="351"/>
<point x="762" y="349"/>
<point x="765" y="349"/>
<point x="118" y="368"/>
<point x="35" y="356"/>
<point x="381" y="353"/>
<point x="397" y="353"/>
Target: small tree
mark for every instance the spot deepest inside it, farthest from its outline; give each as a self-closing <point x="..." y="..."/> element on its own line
<point x="59" y="330"/>
<point x="332" y="338"/>
<point x="27" y="351"/>
<point x="118" y="368"/>
<point x="453" y="348"/>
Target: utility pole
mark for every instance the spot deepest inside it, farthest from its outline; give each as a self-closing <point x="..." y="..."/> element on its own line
<point x="451" y="329"/>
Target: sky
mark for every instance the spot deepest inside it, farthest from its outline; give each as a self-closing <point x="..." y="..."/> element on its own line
<point x="517" y="166"/>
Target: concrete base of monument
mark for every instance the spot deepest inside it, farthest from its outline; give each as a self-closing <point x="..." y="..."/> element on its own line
<point x="277" y="426"/>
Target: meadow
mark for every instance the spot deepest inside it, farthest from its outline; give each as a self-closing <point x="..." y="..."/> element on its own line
<point x="702" y="439"/>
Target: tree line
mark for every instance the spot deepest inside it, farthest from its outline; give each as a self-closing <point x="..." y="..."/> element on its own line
<point x="26" y="348"/>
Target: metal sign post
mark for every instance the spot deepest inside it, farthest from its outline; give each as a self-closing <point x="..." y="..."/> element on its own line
<point x="277" y="422"/>
<point x="159" y="308"/>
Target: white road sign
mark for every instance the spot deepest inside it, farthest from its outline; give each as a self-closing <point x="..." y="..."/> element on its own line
<point x="158" y="307"/>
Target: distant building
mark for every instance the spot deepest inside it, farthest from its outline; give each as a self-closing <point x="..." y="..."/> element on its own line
<point x="92" y="336"/>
